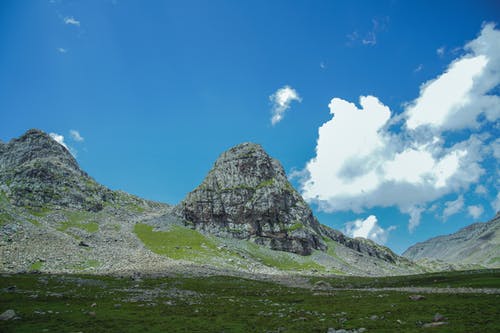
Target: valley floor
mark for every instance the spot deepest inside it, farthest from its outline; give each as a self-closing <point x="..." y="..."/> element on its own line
<point x="452" y="302"/>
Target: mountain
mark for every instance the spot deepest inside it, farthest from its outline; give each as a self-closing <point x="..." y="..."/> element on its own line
<point x="476" y="244"/>
<point x="246" y="195"/>
<point x="244" y="218"/>
<point x="37" y="172"/>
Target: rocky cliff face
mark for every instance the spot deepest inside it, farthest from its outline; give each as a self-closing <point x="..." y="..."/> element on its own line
<point x="246" y="195"/>
<point x="478" y="243"/>
<point x="38" y="172"/>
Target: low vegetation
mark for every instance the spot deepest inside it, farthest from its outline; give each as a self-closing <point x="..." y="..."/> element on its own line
<point x="59" y="303"/>
<point x="177" y="243"/>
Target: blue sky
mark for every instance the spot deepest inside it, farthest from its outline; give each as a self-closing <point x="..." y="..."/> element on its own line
<point x="158" y="89"/>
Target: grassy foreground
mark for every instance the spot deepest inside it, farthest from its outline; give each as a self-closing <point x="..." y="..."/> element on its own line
<point x="79" y="303"/>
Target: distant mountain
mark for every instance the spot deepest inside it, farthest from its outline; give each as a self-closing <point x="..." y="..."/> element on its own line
<point x="476" y="244"/>
<point x="244" y="217"/>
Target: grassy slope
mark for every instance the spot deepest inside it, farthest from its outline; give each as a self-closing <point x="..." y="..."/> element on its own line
<point x="216" y="304"/>
<point x="187" y="244"/>
<point x="487" y="278"/>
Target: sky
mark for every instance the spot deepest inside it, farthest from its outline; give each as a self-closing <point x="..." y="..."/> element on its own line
<point x="385" y="114"/>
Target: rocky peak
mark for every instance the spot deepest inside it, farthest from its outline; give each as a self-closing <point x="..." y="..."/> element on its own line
<point x="32" y="145"/>
<point x="247" y="195"/>
<point x="37" y="171"/>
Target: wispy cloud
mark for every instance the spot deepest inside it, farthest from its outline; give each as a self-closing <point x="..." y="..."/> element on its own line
<point x="369" y="38"/>
<point x="62" y="50"/>
<point x="75" y="135"/>
<point x="281" y="101"/>
<point x="419" y="68"/>
<point x="440" y="51"/>
<point x="71" y="20"/>
<point x="453" y="207"/>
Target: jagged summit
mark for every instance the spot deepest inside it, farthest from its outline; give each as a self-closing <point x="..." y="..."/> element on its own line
<point x="38" y="172"/>
<point x="246" y="195"/>
<point x="35" y="144"/>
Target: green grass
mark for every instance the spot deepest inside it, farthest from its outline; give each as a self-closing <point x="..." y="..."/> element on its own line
<point x="225" y="304"/>
<point x="187" y="244"/>
<point x="80" y="220"/>
<point x="39" y="211"/>
<point x="486" y="278"/>
<point x="283" y="260"/>
<point x="5" y="218"/>
<point x="494" y="260"/>
<point x="268" y="182"/>
<point x="177" y="243"/>
<point x="89" y="226"/>
<point x="33" y="221"/>
<point x="36" y="266"/>
<point x="295" y="226"/>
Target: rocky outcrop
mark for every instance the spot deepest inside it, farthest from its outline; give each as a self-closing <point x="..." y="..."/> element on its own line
<point x="361" y="245"/>
<point x="478" y="243"/>
<point x="246" y="195"/>
<point x="38" y="172"/>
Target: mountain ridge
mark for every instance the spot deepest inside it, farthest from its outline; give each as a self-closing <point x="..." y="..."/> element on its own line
<point x="264" y="225"/>
<point x="477" y="243"/>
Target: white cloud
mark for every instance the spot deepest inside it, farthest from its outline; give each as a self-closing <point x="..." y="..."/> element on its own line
<point x="496" y="203"/>
<point x="475" y="211"/>
<point x="60" y="140"/>
<point x="440" y="51"/>
<point x="419" y="68"/>
<point x="62" y="50"/>
<point x="362" y="163"/>
<point x="359" y="164"/>
<point x="281" y="100"/>
<point x="456" y="98"/>
<point x="453" y="207"/>
<point x="71" y="20"/>
<point x="75" y="135"/>
<point x="495" y="145"/>
<point x="370" y="39"/>
<point x="480" y="189"/>
<point x="368" y="228"/>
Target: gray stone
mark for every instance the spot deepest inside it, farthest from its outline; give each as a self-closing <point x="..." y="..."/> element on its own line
<point x="8" y="315"/>
<point x="321" y="286"/>
<point x="438" y="317"/>
<point x="434" y="324"/>
<point x="416" y="297"/>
